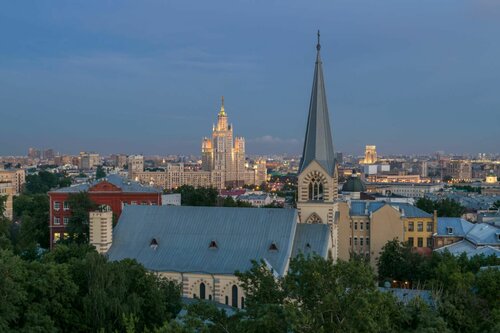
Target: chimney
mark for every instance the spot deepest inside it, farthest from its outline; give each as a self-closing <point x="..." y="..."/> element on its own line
<point x="101" y="230"/>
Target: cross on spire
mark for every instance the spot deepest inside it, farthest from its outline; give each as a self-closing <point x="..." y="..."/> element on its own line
<point x="318" y="46"/>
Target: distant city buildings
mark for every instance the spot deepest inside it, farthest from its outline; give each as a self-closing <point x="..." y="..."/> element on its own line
<point x="223" y="164"/>
<point x="88" y="161"/>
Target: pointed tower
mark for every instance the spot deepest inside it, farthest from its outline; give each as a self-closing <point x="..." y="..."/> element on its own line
<point x="317" y="179"/>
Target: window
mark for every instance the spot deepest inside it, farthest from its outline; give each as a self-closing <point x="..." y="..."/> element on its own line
<point x="430" y="226"/>
<point x="411" y="227"/>
<point x="367" y="241"/>
<point x="356" y="241"/>
<point x="57" y="205"/>
<point x="429" y="242"/>
<point x="227" y="300"/>
<point x="57" y="237"/>
<point x="234" y="296"/>
<point x="449" y="230"/>
<point x="367" y="225"/>
<point x="361" y="241"/>
<point x="361" y="226"/>
<point x="65" y="220"/>
<point x="202" y="290"/>
<point x="316" y="189"/>
<point x="420" y="226"/>
<point x="420" y="242"/>
<point x="153" y="244"/>
<point x="66" y="205"/>
<point x="410" y="241"/>
<point x="355" y="225"/>
<point x="57" y="220"/>
<point x="213" y="245"/>
<point x="133" y="202"/>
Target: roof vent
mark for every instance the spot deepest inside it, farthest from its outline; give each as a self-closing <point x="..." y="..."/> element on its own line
<point x="273" y="247"/>
<point x="153" y="244"/>
<point x="213" y="245"/>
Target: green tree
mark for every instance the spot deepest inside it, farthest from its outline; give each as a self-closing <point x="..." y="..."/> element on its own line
<point x="444" y="207"/>
<point x="203" y="196"/>
<point x="32" y="210"/>
<point x="100" y="173"/>
<point x="78" y="225"/>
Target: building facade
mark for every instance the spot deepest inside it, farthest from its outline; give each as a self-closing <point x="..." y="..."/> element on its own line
<point x="370" y="155"/>
<point x="113" y="191"/>
<point x="365" y="226"/>
<point x="17" y="177"/>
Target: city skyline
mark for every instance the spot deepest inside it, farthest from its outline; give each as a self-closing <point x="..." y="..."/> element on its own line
<point x="77" y="80"/>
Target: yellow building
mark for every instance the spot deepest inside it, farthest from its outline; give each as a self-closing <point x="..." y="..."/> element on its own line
<point x="370" y="155"/>
<point x="365" y="226"/>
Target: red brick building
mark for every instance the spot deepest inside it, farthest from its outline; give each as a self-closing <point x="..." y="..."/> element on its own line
<point x="114" y="191"/>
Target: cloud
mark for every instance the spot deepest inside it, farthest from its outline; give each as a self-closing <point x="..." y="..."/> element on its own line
<point x="269" y="139"/>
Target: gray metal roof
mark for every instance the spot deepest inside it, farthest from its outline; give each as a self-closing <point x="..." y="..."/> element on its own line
<point x="366" y="207"/>
<point x="184" y="234"/>
<point x="311" y="238"/>
<point x="126" y="185"/>
<point x="318" y="144"/>
<point x="464" y="246"/>
<point x="484" y="234"/>
<point x="460" y="227"/>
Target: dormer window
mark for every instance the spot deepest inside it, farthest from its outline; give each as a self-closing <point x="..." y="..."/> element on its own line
<point x="308" y="246"/>
<point x="273" y="247"/>
<point x="153" y="244"/>
<point x="213" y="245"/>
<point x="449" y="230"/>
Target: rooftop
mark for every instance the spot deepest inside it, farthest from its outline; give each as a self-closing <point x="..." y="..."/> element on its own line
<point x="213" y="240"/>
<point x="126" y="185"/>
<point x="366" y="207"/>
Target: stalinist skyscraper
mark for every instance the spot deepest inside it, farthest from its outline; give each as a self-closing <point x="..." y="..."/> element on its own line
<point x="222" y="154"/>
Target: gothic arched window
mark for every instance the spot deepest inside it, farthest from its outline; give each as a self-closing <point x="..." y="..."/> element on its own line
<point x="316" y="189"/>
<point x="202" y="290"/>
<point x="234" y="296"/>
<point x="314" y="219"/>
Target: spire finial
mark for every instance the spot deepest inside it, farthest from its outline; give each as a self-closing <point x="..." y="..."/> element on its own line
<point x="318" y="46"/>
<point x="222" y="111"/>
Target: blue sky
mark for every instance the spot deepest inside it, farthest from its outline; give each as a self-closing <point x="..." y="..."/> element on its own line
<point x="411" y="76"/>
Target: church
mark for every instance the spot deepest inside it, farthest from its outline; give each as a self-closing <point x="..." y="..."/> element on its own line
<point x="202" y="247"/>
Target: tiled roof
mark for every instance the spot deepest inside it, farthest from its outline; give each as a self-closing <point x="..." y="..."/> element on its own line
<point x="126" y="185"/>
<point x="183" y="235"/>
<point x="311" y="238"/>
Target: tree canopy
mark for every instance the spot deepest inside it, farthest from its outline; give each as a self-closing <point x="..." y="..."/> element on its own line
<point x="444" y="207"/>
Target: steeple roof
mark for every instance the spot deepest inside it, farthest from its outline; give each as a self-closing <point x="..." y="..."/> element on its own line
<point x="318" y="144"/>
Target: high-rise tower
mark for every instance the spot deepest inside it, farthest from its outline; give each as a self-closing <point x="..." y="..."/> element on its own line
<point x="318" y="176"/>
<point x="224" y="154"/>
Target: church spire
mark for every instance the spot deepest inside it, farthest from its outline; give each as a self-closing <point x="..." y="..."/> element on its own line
<point x="318" y="144"/>
<point x="222" y="112"/>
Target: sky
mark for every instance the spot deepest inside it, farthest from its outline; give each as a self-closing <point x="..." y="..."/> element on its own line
<point x="410" y="76"/>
